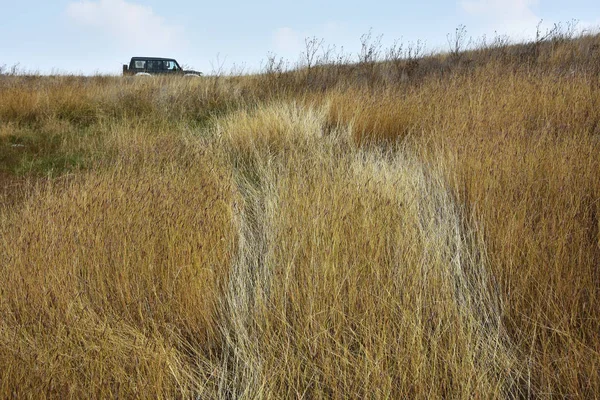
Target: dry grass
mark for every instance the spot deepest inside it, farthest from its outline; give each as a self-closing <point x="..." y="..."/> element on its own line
<point x="520" y="152"/>
<point x="109" y="276"/>
<point x="277" y="236"/>
<point x="361" y="276"/>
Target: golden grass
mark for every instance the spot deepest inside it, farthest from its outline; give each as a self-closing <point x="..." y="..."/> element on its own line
<point x="520" y="151"/>
<point x="106" y="280"/>
<point x="319" y="309"/>
<point x="251" y="237"/>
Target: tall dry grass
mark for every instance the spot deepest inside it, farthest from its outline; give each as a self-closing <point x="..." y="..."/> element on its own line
<point x="109" y="277"/>
<point x="520" y="151"/>
<point x="359" y="275"/>
<point x="340" y="232"/>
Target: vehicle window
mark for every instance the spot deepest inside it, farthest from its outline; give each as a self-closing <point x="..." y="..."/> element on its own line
<point x="170" y="65"/>
<point x="140" y="64"/>
<point x="154" y="65"/>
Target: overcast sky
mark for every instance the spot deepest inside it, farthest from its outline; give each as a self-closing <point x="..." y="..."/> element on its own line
<point x="98" y="36"/>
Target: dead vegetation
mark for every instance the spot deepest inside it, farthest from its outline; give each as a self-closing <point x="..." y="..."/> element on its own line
<point x="422" y="226"/>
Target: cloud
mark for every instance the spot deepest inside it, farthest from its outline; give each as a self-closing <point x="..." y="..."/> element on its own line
<point x="131" y="25"/>
<point x="513" y="17"/>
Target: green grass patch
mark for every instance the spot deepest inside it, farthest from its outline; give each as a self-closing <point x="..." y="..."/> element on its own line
<point x="46" y="150"/>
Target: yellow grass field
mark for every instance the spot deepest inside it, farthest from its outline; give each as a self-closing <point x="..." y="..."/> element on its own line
<point x="423" y="228"/>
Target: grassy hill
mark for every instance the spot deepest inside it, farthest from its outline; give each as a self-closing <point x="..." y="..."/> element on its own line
<point x="413" y="227"/>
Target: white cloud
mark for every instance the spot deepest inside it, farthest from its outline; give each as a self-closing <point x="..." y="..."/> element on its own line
<point x="133" y="26"/>
<point x="513" y="17"/>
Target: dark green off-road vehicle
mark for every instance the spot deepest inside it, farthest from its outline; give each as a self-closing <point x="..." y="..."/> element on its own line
<point x="156" y="66"/>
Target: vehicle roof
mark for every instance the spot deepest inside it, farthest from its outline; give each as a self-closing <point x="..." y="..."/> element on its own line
<point x="153" y="58"/>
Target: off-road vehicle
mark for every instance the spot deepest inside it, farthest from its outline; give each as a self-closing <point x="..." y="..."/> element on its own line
<point x="156" y="66"/>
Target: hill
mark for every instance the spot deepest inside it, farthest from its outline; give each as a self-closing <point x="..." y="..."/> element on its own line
<point x="406" y="226"/>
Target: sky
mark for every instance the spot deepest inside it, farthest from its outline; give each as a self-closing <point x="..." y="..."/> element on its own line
<point x="224" y="36"/>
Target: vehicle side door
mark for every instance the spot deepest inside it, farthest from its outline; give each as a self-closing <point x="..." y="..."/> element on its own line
<point x="171" y="66"/>
<point x="155" y="66"/>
